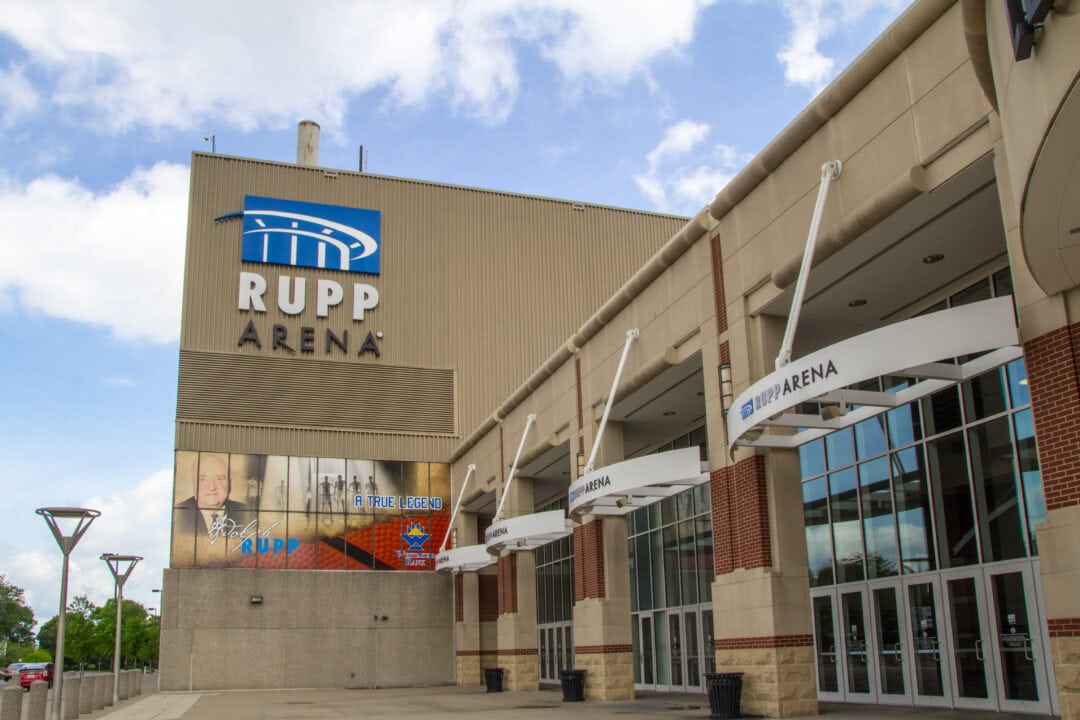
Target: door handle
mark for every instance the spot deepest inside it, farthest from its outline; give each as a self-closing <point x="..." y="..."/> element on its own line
<point x="1027" y="650"/>
<point x="899" y="653"/>
<point x="979" y="650"/>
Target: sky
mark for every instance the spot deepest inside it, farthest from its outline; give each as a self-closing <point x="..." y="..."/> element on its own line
<point x="641" y="104"/>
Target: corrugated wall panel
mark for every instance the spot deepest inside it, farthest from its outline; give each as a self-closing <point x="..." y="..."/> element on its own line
<point x="225" y="437"/>
<point x="488" y="284"/>
<point x="313" y="393"/>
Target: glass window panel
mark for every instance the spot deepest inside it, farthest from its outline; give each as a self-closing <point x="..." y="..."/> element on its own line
<point x="913" y="511"/>
<point x="654" y="516"/>
<point x="973" y="293"/>
<point x="812" y="458"/>
<point x="941" y="411"/>
<point x="940" y="305"/>
<point x="870" y="437"/>
<point x="839" y="449"/>
<point x="656" y="557"/>
<point x="818" y="540"/>
<point x="952" y="501"/>
<point x="984" y="395"/>
<point x="641" y="571"/>
<point x="684" y="504"/>
<point x="847" y="530"/>
<point x="1030" y="475"/>
<point x="995" y="491"/>
<point x="688" y="563"/>
<point x="1003" y="284"/>
<point x="879" y="530"/>
<point x="671" y="566"/>
<point x="705" y="570"/>
<point x="1018" y="383"/>
<point x="702" y="501"/>
<point x="667" y="510"/>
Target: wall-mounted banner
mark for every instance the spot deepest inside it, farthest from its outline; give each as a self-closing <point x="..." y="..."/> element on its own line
<point x="303" y="234"/>
<point x="272" y="511"/>
<point x="922" y="348"/>
<point x="628" y="485"/>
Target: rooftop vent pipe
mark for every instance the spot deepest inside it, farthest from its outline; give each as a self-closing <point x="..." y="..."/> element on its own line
<point x="307" y="143"/>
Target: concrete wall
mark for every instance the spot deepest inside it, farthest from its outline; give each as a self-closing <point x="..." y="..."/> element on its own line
<point x="312" y="629"/>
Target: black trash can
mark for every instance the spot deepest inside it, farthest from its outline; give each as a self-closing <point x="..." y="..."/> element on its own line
<point x="493" y="679"/>
<point x="573" y="685"/>
<point x="725" y="693"/>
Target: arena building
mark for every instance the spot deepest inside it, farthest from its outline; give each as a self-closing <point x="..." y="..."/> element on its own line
<point x="659" y="448"/>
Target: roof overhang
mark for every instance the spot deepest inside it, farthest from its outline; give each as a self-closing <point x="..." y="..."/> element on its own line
<point x="625" y="486"/>
<point x="922" y="348"/>
<point x="527" y="532"/>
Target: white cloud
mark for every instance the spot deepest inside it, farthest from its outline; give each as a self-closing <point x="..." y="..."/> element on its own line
<point x="681" y="177"/>
<point x="17" y="97"/>
<point x="132" y="522"/>
<point x="253" y="63"/>
<point x="812" y="23"/>
<point x="113" y="259"/>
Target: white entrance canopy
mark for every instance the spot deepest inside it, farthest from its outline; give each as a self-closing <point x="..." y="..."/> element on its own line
<point x="467" y="559"/>
<point x="625" y="486"/>
<point x="527" y="532"/>
<point x="922" y="349"/>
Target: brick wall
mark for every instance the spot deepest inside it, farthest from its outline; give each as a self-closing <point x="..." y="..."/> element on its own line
<point x="489" y="598"/>
<point x="740" y="516"/>
<point x="589" y="560"/>
<point x="1063" y="627"/>
<point x="1052" y="362"/>
<point x="507" y="577"/>
<point x="718" y="285"/>
<point x="459" y="598"/>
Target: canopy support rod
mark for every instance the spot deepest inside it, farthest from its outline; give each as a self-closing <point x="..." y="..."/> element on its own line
<point x="631" y="336"/>
<point x="513" y="468"/>
<point x="829" y="171"/>
<point x="453" y="515"/>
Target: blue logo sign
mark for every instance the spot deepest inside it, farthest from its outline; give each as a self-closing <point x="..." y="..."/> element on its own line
<point x="301" y="234"/>
<point x="747" y="409"/>
<point x="415" y="536"/>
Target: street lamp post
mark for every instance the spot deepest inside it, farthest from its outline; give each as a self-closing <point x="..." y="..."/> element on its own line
<point x="120" y="566"/>
<point x="68" y="524"/>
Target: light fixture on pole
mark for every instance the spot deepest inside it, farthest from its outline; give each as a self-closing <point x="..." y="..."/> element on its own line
<point x="727" y="392"/>
<point x="120" y="566"/>
<point x="68" y="524"/>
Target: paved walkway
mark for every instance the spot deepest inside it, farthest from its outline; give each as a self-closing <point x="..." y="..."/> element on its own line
<point x="464" y="703"/>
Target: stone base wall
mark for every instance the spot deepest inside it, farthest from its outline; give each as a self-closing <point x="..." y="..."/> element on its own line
<point x="520" y="671"/>
<point x="777" y="682"/>
<point x="609" y="676"/>
<point x="469" y="671"/>
<point x="1066" y="654"/>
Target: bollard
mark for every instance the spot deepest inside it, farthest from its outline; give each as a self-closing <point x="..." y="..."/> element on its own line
<point x="86" y="695"/>
<point x="11" y="703"/>
<point x="122" y="687"/>
<point x="138" y="683"/>
<point x="70" y="705"/>
<point x="39" y="692"/>
<point x="108" y="689"/>
<point x="131" y="683"/>
<point x="99" y="691"/>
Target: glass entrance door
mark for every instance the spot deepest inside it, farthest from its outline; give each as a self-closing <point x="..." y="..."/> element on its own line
<point x="556" y="650"/>
<point x="673" y="649"/>
<point x="997" y="640"/>
<point x="928" y="659"/>
<point x="847" y="656"/>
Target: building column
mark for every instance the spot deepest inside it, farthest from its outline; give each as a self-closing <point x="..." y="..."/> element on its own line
<point x="602" y="623"/>
<point x="1053" y="365"/>
<point x="518" y="655"/>
<point x="468" y="613"/>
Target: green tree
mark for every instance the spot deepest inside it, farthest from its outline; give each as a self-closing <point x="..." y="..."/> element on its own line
<point x="16" y="617"/>
<point x="80" y="633"/>
<point x="134" y="636"/>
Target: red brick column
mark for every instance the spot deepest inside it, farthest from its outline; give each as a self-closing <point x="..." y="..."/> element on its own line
<point x="740" y="516"/>
<point x="589" y="560"/>
<point x="507" y="579"/>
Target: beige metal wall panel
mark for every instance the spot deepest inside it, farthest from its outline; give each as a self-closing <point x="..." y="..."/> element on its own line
<point x="475" y="283"/>
<point x="316" y="442"/>
<point x="314" y="393"/>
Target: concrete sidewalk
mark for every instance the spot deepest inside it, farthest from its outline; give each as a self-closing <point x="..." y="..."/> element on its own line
<point x="464" y="703"/>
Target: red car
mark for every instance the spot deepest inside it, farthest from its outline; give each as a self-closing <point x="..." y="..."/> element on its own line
<point x="34" y="672"/>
